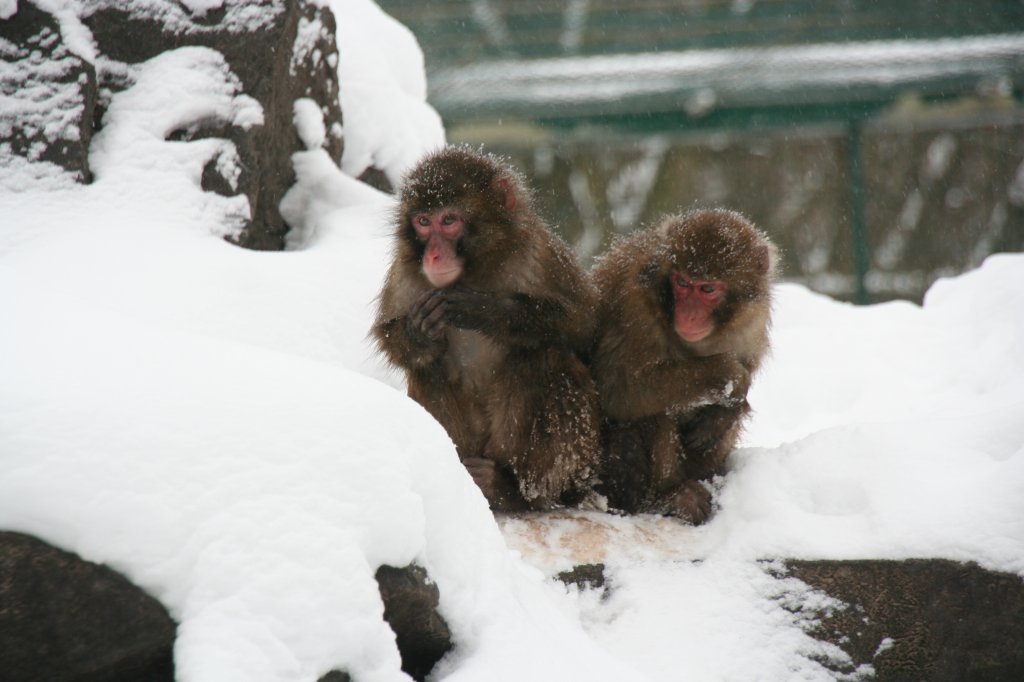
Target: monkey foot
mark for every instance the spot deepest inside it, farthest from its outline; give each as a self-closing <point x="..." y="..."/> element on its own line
<point x="691" y="501"/>
<point x="496" y="484"/>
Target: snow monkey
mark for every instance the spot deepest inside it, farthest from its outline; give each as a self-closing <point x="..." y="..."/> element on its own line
<point x="683" y="323"/>
<point x="486" y="310"/>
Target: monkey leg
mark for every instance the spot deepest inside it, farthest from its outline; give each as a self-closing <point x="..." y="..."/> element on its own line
<point x="460" y="415"/>
<point x="703" y="443"/>
<point x="497" y="483"/>
<point x="646" y="469"/>
<point x="547" y="427"/>
<point x="708" y="435"/>
<point x="642" y="462"/>
<point x="625" y="464"/>
<point x="463" y="417"/>
<point x="666" y="452"/>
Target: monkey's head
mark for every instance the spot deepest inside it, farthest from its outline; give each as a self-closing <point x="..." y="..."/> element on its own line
<point x="717" y="265"/>
<point x="458" y="209"/>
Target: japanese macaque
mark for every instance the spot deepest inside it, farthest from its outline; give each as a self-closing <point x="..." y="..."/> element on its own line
<point x="683" y="325"/>
<point x="486" y="311"/>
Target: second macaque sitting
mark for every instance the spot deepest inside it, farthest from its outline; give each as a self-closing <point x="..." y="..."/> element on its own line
<point x="683" y="325"/>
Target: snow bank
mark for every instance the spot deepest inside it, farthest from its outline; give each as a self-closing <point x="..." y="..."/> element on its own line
<point x="889" y="431"/>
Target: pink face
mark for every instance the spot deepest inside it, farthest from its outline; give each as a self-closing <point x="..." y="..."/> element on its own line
<point x="441" y="231"/>
<point x="695" y="299"/>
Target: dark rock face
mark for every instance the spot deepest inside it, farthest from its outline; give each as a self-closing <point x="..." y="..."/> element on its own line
<point x="374" y="177"/>
<point x="410" y="608"/>
<point x="63" y="618"/>
<point x="50" y="93"/>
<point x="585" y="577"/>
<point x="923" y="619"/>
<point x="280" y="50"/>
<point x="912" y="620"/>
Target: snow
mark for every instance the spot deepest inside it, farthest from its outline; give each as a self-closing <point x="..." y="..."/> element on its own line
<point x="383" y="92"/>
<point x="309" y="122"/>
<point x="186" y="16"/>
<point x="214" y="423"/>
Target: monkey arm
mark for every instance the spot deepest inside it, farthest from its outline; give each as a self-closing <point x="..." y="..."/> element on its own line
<point x="673" y="385"/>
<point x="709" y="435"/>
<point x="403" y="348"/>
<point x="415" y="340"/>
<point x="515" y="319"/>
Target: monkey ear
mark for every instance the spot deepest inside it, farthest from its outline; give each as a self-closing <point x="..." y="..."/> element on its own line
<point x="648" y="275"/>
<point x="506" y="192"/>
<point x="765" y="257"/>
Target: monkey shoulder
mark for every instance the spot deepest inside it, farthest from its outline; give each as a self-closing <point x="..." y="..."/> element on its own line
<point x="403" y="285"/>
<point x="546" y="268"/>
<point x="557" y="262"/>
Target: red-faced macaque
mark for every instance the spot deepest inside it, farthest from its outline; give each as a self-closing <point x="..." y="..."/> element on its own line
<point x="683" y="324"/>
<point x="487" y="311"/>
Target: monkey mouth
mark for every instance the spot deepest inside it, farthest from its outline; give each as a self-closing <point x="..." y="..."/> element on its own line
<point x="692" y="327"/>
<point x="443" y="278"/>
<point x="694" y="335"/>
<point x="691" y="330"/>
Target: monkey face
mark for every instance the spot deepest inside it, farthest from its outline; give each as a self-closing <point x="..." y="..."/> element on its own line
<point x="440" y="232"/>
<point x="694" y="302"/>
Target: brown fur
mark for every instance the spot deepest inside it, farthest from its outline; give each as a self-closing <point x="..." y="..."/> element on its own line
<point x="508" y="387"/>
<point x="674" y="409"/>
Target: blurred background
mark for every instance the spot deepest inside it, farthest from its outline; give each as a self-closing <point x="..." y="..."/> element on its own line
<point x="880" y="144"/>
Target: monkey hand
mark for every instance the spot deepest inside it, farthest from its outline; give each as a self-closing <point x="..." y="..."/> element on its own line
<point x="497" y="486"/>
<point x="426" y="321"/>
<point x="709" y="428"/>
<point x="730" y="383"/>
<point x="515" y="318"/>
<point x="478" y="310"/>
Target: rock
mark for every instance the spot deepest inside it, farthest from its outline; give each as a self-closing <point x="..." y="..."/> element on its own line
<point x="410" y="608"/>
<point x="376" y="178"/>
<point x="584" y="576"/>
<point x="64" y="618"/>
<point x="49" y="98"/>
<point x="918" y="619"/>
<point x="280" y="50"/>
<point x="923" y="619"/>
<point x="557" y="541"/>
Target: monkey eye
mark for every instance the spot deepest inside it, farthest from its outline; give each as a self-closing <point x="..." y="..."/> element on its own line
<point x="711" y="290"/>
<point x="449" y="219"/>
<point x="423" y="220"/>
<point x="679" y="280"/>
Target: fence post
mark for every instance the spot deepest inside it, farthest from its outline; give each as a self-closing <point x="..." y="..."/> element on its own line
<point x="861" y="255"/>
